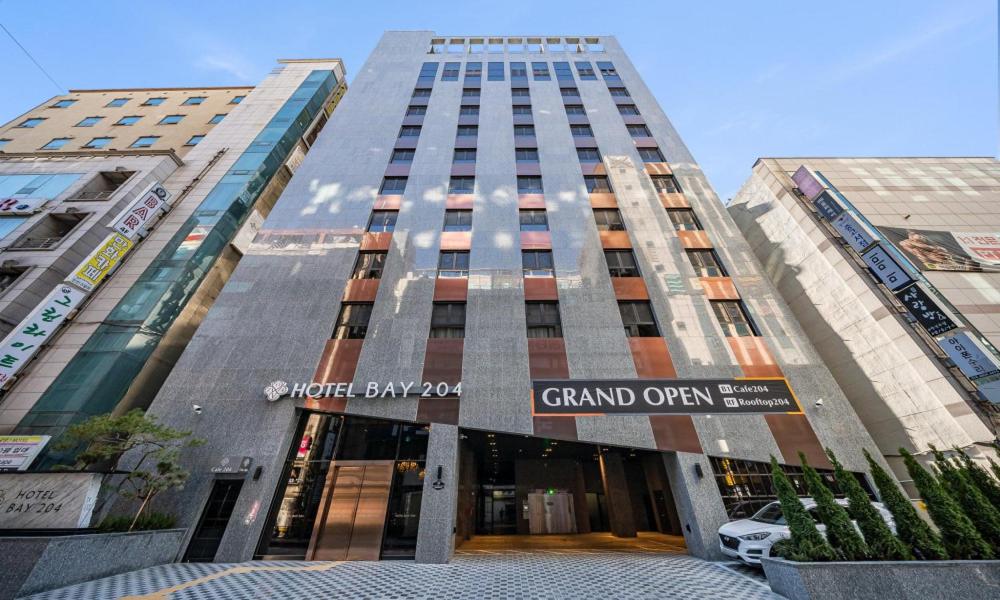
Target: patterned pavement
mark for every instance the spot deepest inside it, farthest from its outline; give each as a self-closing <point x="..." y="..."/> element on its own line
<point x="580" y="575"/>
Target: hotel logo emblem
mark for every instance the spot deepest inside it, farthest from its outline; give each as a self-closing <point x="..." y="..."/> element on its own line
<point x="275" y="390"/>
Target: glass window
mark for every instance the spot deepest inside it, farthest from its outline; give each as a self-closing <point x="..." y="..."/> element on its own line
<point x="608" y="219"/>
<point x="733" y="318"/>
<point x="651" y="155"/>
<point x="383" y="221"/>
<point x="393" y="185"/>
<point x="575" y="109"/>
<point x="518" y="70"/>
<point x="153" y="101"/>
<point x="621" y="263"/>
<point x="563" y="72"/>
<point x="526" y="155"/>
<point x="453" y="264"/>
<point x="473" y="70"/>
<point x="619" y="92"/>
<point x="125" y="121"/>
<point x="464" y="155"/>
<point x="369" y="265"/>
<point x="216" y="119"/>
<point x="235" y="100"/>
<point x="450" y="72"/>
<point x="637" y="317"/>
<point x="416" y="111"/>
<point x="533" y="219"/>
<point x="467" y="131"/>
<point x="428" y="71"/>
<point x="666" y="184"/>
<point x="402" y="156"/>
<point x="540" y="71"/>
<point x="9" y="224"/>
<point x="193" y="141"/>
<point x="89" y="122"/>
<point x="56" y="143"/>
<point x="520" y="93"/>
<point x="63" y="103"/>
<point x="627" y="110"/>
<point x="195" y="100"/>
<point x="470" y="93"/>
<point x="522" y="109"/>
<point x="448" y="320"/>
<point x="588" y="155"/>
<point x="421" y="93"/>
<point x="469" y="111"/>
<point x="98" y="142"/>
<point x="529" y="184"/>
<point x="117" y="102"/>
<point x="145" y="141"/>
<point x="171" y="120"/>
<point x="608" y="71"/>
<point x="585" y="71"/>
<point x="597" y="184"/>
<point x="537" y="263"/>
<point x="494" y="71"/>
<point x="4" y="142"/>
<point x="524" y="130"/>
<point x="581" y="131"/>
<point x="352" y="323"/>
<point x="461" y="185"/>
<point x="638" y="131"/>
<point x="457" y="220"/>
<point x="409" y="131"/>
<point x="543" y="319"/>
<point x="706" y="263"/>
<point x="683" y="219"/>
<point x="32" y="122"/>
<point x="569" y="93"/>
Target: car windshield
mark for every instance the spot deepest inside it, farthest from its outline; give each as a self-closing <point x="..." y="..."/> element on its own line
<point x="770" y="514"/>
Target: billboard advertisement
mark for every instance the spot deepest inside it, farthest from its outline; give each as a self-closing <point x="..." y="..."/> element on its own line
<point x="946" y="250"/>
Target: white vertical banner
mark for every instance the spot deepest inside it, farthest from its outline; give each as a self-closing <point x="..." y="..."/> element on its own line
<point x="24" y="342"/>
<point x="143" y="211"/>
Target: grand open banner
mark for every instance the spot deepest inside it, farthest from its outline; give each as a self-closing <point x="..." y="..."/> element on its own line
<point x="947" y="250"/>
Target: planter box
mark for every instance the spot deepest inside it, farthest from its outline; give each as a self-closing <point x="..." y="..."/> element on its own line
<point x="883" y="580"/>
<point x="38" y="564"/>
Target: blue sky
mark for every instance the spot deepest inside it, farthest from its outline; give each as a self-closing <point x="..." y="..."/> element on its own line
<point x="738" y="79"/>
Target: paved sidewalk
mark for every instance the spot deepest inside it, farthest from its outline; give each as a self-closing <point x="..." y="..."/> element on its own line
<point x="582" y="575"/>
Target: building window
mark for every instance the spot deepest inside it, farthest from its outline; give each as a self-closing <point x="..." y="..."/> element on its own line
<point x="524" y="130"/>
<point x="468" y="111"/>
<point x="518" y="71"/>
<point x="416" y="111"/>
<point x="393" y="185"/>
<point x="125" y="121"/>
<point x="540" y="71"/>
<point x="473" y="71"/>
<point x="543" y="319"/>
<point x="520" y="93"/>
<point x="117" y="102"/>
<point x="383" y="221"/>
<point x="457" y="220"/>
<point x="409" y="131"/>
<point x="470" y="93"/>
<point x="522" y="109"/>
<point x="9" y="224"/>
<point x="581" y="131"/>
<point x="235" y="100"/>
<point x="588" y="155"/>
<point x="467" y="131"/>
<point x="63" y="104"/>
<point x="56" y="143"/>
<point x="193" y="141"/>
<point x="619" y="92"/>
<point x="733" y="318"/>
<point x="369" y="265"/>
<point x="639" y="131"/>
<point x="196" y="100"/>
<point x="9" y="275"/>
<point x="47" y="232"/>
<point x="529" y="184"/>
<point x="608" y="71"/>
<point x="666" y="184"/>
<point x="31" y="123"/>
<point x="461" y="185"/>
<point x="683" y="219"/>
<point x="706" y="263"/>
<point x="537" y="263"/>
<point x="526" y="155"/>
<point x="563" y="72"/>
<point x="621" y="263"/>
<point x="352" y="323"/>
<point x="428" y="71"/>
<point x="597" y="184"/>
<point x="215" y="120"/>
<point x="421" y="93"/>
<point x="608" y="219"/>
<point x="575" y="109"/>
<point x="404" y="157"/>
<point x="464" y="156"/>
<point x="533" y="219"/>
<point x="448" y="320"/>
<point x="153" y="101"/>
<point x="569" y="93"/>
<point x="650" y="155"/>
<point x="450" y="72"/>
<point x="98" y="142"/>
<point x="171" y="120"/>
<point x="628" y="110"/>
<point x="145" y="141"/>
<point x="453" y="264"/>
<point x="494" y="71"/>
<point x="89" y="122"/>
<point x="637" y="317"/>
<point x="585" y="71"/>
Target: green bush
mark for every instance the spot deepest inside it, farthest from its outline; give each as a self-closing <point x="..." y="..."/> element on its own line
<point x="146" y="522"/>
<point x="840" y="531"/>
<point x="911" y="529"/>
<point x="807" y="543"/>
<point x="957" y="483"/>
<point x="882" y="543"/>
<point x="958" y="533"/>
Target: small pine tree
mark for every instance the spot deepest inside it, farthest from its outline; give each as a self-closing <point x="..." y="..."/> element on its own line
<point x="994" y="467"/>
<point x="806" y="543"/>
<point x="882" y="543"/>
<point x="968" y="497"/>
<point x="840" y="531"/>
<point x="911" y="529"/>
<point x="958" y="533"/>
<point x="981" y="479"/>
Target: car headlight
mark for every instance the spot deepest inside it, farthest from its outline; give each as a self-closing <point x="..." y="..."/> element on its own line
<point x="754" y="537"/>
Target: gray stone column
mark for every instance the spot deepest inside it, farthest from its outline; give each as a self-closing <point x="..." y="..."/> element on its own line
<point x="616" y="491"/>
<point x="438" y="506"/>
<point x="698" y="502"/>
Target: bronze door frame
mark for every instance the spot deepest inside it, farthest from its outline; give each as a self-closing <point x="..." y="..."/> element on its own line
<point x="351" y="518"/>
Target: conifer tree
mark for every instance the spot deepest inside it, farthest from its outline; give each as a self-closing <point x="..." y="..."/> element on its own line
<point x="958" y="534"/>
<point x="911" y="529"/>
<point x="995" y="468"/>
<point x="840" y="531"/>
<point x="981" y="478"/>
<point x="806" y="543"/>
<point x="882" y="542"/>
<point x="958" y="485"/>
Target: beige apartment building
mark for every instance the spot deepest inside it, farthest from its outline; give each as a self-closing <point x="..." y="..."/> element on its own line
<point x="892" y="265"/>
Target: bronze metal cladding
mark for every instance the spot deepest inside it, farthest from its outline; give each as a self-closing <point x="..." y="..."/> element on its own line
<point x="349" y="524"/>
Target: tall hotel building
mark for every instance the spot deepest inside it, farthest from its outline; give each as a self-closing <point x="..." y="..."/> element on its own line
<point x="498" y="298"/>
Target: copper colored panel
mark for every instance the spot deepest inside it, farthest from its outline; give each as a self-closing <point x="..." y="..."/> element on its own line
<point x="530" y="201"/>
<point x="330" y="405"/>
<point x="528" y="168"/>
<point x="456" y="240"/>
<point x="615" y="239"/>
<point x="675" y="432"/>
<point x="592" y="168"/>
<point x="645" y="142"/>
<point x="438" y="410"/>
<point x="540" y="288"/>
<point x="754" y="357"/>
<point x="536" y="240"/>
<point x="459" y="201"/>
<point x="603" y="200"/>
<point x="397" y="170"/>
<point x="376" y="241"/>
<point x="719" y="288"/>
<point x="794" y="434"/>
<point x="658" y="168"/>
<point x="443" y="360"/>
<point x="694" y="239"/>
<point x="369" y="517"/>
<point x="331" y="535"/>
<point x="338" y="362"/>
<point x="393" y="202"/>
<point x="673" y="200"/>
<point x="361" y="290"/>
<point x="463" y="169"/>
<point x="651" y="357"/>
<point x="466" y="141"/>
<point x="547" y="359"/>
<point x="629" y="288"/>
<point x="451" y="289"/>
<point x="560" y="428"/>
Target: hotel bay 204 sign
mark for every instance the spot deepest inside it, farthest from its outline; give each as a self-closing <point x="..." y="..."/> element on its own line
<point x="580" y="397"/>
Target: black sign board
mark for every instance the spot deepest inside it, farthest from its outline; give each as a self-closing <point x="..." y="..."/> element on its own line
<point x="572" y="397"/>
<point x="925" y="310"/>
<point x="827" y="206"/>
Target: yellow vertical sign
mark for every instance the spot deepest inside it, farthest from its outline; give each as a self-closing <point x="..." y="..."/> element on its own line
<point x="101" y="261"/>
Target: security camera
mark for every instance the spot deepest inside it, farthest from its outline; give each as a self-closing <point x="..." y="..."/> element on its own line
<point x="819" y="402"/>
<point x="196" y="408"/>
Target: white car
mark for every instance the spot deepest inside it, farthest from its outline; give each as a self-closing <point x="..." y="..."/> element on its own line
<point x="750" y="539"/>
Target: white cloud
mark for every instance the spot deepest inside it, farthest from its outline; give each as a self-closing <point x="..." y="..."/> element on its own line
<point x="230" y="63"/>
